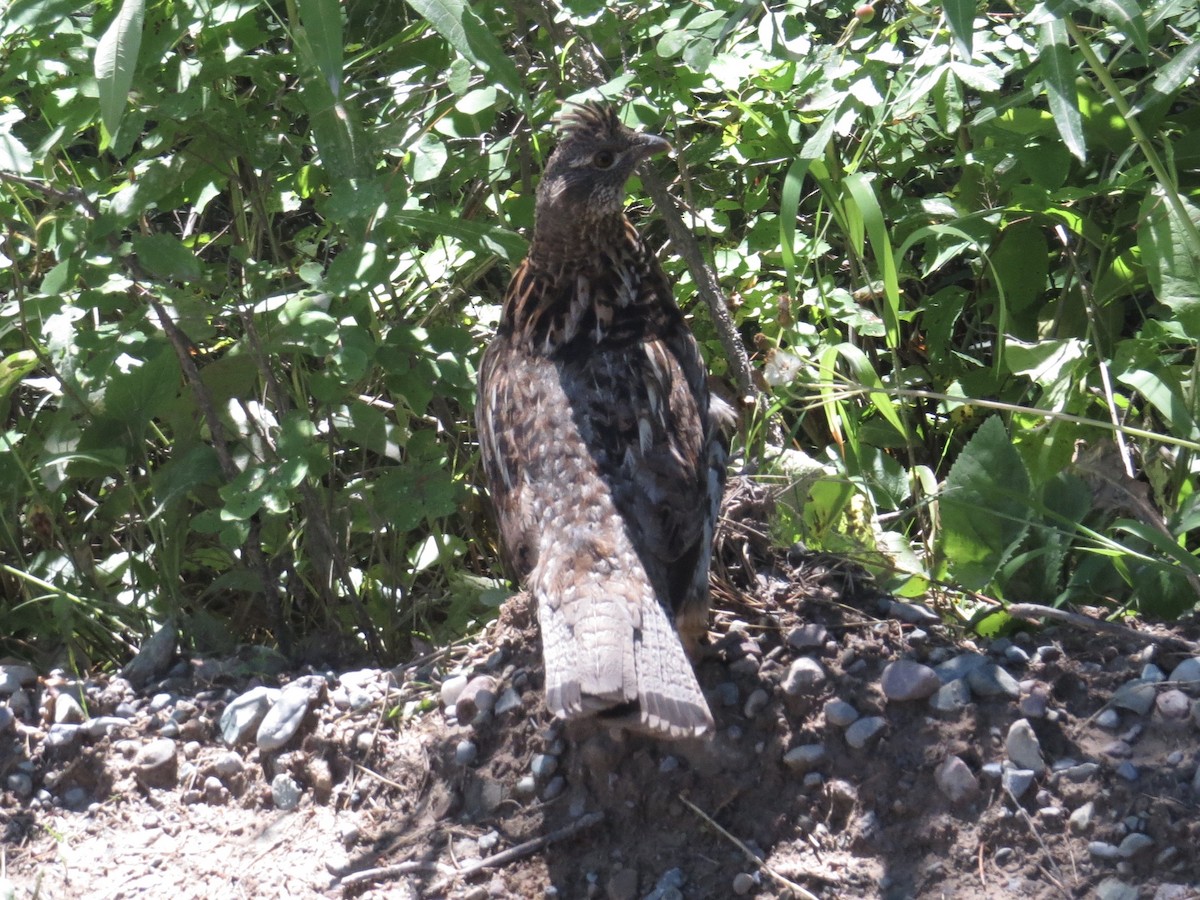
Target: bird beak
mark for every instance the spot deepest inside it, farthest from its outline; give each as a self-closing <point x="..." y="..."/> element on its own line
<point x="645" y="145"/>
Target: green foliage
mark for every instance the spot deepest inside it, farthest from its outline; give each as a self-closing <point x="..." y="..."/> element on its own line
<point x="251" y="252"/>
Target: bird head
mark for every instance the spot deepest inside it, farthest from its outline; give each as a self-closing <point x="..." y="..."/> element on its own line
<point x="585" y="177"/>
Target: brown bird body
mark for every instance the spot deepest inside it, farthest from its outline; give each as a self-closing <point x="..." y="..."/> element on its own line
<point x="599" y="445"/>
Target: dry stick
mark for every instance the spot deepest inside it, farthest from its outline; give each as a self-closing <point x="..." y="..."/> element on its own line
<point x="1030" y="611"/>
<point x="753" y="857"/>
<point x="490" y="862"/>
<point x="706" y="281"/>
<point x="1056" y="878"/>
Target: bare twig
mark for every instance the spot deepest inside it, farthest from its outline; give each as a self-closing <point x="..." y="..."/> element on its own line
<point x="1030" y="611"/>
<point x="753" y="857"/>
<point x="489" y="862"/>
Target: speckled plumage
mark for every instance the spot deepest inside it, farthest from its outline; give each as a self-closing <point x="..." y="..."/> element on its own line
<point x="599" y="446"/>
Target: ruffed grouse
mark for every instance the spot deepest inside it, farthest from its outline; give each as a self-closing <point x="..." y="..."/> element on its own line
<point x="599" y="445"/>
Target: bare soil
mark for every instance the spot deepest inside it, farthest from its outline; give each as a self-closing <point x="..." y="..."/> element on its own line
<point x="401" y="800"/>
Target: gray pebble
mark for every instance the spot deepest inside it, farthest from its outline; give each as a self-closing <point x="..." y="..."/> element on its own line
<point x="1118" y="750"/>
<point x="509" y="700"/>
<point x="1112" y="889"/>
<point x="1135" y="843"/>
<point x="906" y="679"/>
<point x="284" y="718"/>
<point x="7" y="719"/>
<point x="1110" y="720"/>
<point x="804" y="757"/>
<point x="1023" y="747"/>
<point x="727" y="694"/>
<point x="63" y="737"/>
<point x="1103" y="850"/>
<point x="243" y="715"/>
<point x="1080" y="820"/>
<point x="839" y="713"/>
<point x="743" y="883"/>
<point x="756" y="702"/>
<point x="1080" y="773"/>
<point x="14" y="676"/>
<point x="156" y="764"/>
<point x="543" y="765"/>
<point x="228" y="765"/>
<point x="452" y="687"/>
<point x="1048" y="653"/>
<point x="100" y="726"/>
<point x="1003" y="855"/>
<point x="1136" y="696"/>
<point x="807" y="637"/>
<point x="1017" y="781"/>
<point x="1173" y="704"/>
<point x="863" y="731"/>
<point x="285" y="792"/>
<point x="67" y="710"/>
<point x="1152" y="674"/>
<point x="990" y="680"/>
<point x="1033" y="704"/>
<point x="1128" y="771"/>
<point x="959" y="666"/>
<point x="746" y="667"/>
<point x="1187" y="672"/>
<point x="955" y="779"/>
<point x="477" y="699"/>
<point x="489" y="841"/>
<point x="804" y="677"/>
<point x="20" y="784"/>
<point x="1196" y="713"/>
<point x="668" y="764"/>
<point x="951" y="697"/>
<point x="214" y="792"/>
<point x="1016" y="655"/>
<point x="465" y="752"/>
<point x="554" y="788"/>
<point x="526" y="786"/>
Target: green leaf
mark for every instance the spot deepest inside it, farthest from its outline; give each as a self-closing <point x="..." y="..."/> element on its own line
<point x="477" y="235"/>
<point x="984" y="506"/>
<point x="1125" y="15"/>
<point x="961" y="16"/>
<point x="164" y="256"/>
<point x="455" y="21"/>
<point x="1060" y="70"/>
<point x="863" y="193"/>
<point x="116" y="60"/>
<point x="322" y="22"/>
<point x="1172" y="265"/>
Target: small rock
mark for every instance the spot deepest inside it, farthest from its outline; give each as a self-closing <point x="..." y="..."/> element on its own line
<point x="452" y="688"/>
<point x="1128" y="771"/>
<point x="960" y="666"/>
<point x="20" y="784"/>
<point x="488" y="842"/>
<point x="1003" y="855"/>
<point x="1048" y="653"/>
<point x="991" y="680"/>
<point x="284" y="718"/>
<point x="153" y="659"/>
<point x="543" y="765"/>
<point x="1103" y="850"/>
<point x="1110" y="720"/>
<point x="623" y="885"/>
<point x="1080" y="773"/>
<point x="63" y="737"/>
<point x="955" y="779"/>
<point x="477" y="699"/>
<point x="743" y="883"/>
<point x="1135" y="843"/>
<point x="1023" y="748"/>
<point x="156" y="764"/>
<point x="1172" y="704"/>
<point x="7" y="719"/>
<point x="67" y="710"/>
<point x="465" y="752"/>
<point x="1016" y="655"/>
<point x="951" y="697"/>
<point x="1112" y="889"/>
<point x="242" y="716"/>
<point x="526" y="786"/>
<point x="285" y="792"/>
<point x="807" y="637"/>
<point x="1118" y="750"/>
<point x="804" y="757"/>
<point x="554" y="787"/>
<point x="1033" y="705"/>
<point x="1016" y="781"/>
<point x="805" y="676"/>
<point x="727" y="694"/>
<point x="1080" y="820"/>
<point x="228" y="765"/>
<point x="668" y="764"/>
<point x="1152" y="674"/>
<point x="839" y="713"/>
<point x="863" y="731"/>
<point x="1187" y="672"/>
<point x="905" y="679"/>
<point x="756" y="702"/>
<point x="508" y="701"/>
<point x="1136" y="696"/>
<point x="101" y="726"/>
<point x="1051" y="817"/>
<point x="215" y="793"/>
<point x="13" y="677"/>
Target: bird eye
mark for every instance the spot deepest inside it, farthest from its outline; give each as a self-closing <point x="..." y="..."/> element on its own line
<point x="603" y="159"/>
